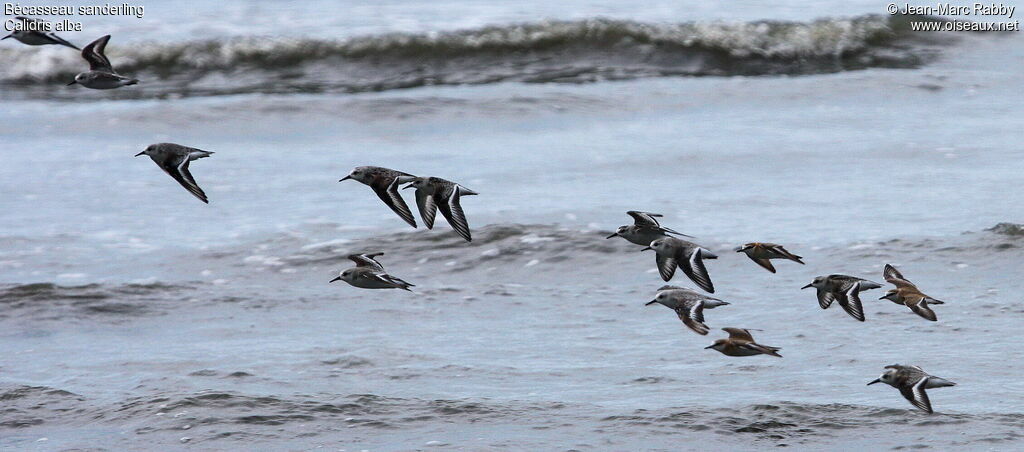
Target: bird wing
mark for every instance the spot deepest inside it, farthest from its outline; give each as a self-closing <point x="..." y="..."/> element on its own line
<point x="767" y="350"/>
<point x="94" y="54"/>
<point x="645" y="218"/>
<point x="367" y="260"/>
<point x="920" y="307"/>
<point x="696" y="271"/>
<point x="179" y="172"/>
<point x="427" y="206"/>
<point x="786" y="254"/>
<point x="917" y="395"/>
<point x="452" y="211"/>
<point x="895" y="278"/>
<point x="386" y="189"/>
<point x="850" y="302"/>
<point x="739" y="333"/>
<point x="765" y="263"/>
<point x="693" y="318"/>
<point x="825" y="298"/>
<point x="666" y="266"/>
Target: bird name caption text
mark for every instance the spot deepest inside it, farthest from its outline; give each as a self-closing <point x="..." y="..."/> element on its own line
<point x="106" y="9"/>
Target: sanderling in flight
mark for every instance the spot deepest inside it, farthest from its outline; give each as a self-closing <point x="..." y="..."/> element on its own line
<point x="369" y="274"/>
<point x="688" y="304"/>
<point x="741" y="343"/>
<point x="32" y="32"/>
<point x="101" y="74"/>
<point x="844" y="289"/>
<point x="672" y="252"/>
<point x="762" y="253"/>
<point x="385" y="183"/>
<point x="174" y="159"/>
<point x="912" y="381"/>
<point x="645" y="229"/>
<point x="907" y="294"/>
<point x="433" y="194"/>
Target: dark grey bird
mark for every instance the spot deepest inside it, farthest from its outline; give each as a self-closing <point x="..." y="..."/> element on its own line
<point x="370" y="274"/>
<point x="34" y="32"/>
<point x="741" y="343"/>
<point x="101" y="74"/>
<point x="688" y="304"/>
<point x="844" y="289"/>
<point x="174" y="160"/>
<point x="672" y="252"/>
<point x="645" y="229"/>
<point x="433" y="194"/>
<point x="385" y="183"/>
<point x="912" y="382"/>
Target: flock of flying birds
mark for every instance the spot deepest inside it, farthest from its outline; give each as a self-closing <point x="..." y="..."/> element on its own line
<point x="671" y="252"/>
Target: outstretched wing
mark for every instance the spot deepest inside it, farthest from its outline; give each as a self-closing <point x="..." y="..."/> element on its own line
<point x="739" y="333"/>
<point x="764" y="263"/>
<point x="920" y="307"/>
<point x="850" y="302"/>
<point x="94" y="53"/>
<point x="645" y="218"/>
<point x="693" y="318"/>
<point x="894" y="277"/>
<point x="825" y="298"/>
<point x="428" y="208"/>
<point x="367" y="260"/>
<point x="917" y="396"/>
<point x="666" y="266"/>
<point x="386" y="189"/>
<point x="180" y="173"/>
<point x="452" y="211"/>
<point x="695" y="270"/>
<point x="786" y="254"/>
<point x="773" y="351"/>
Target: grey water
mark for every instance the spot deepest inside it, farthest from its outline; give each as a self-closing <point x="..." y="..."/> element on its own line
<point x="134" y="317"/>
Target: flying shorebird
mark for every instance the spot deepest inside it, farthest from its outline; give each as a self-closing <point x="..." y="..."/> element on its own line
<point x="370" y="274"/>
<point x="844" y="289"/>
<point x="912" y="381"/>
<point x="761" y="253"/>
<point x="907" y="294"/>
<point x="433" y="194"/>
<point x="101" y="74"/>
<point x="672" y="252"/>
<point x="34" y="32"/>
<point x="385" y="182"/>
<point x="688" y="304"/>
<point x="174" y="159"/>
<point x="645" y="229"/>
<point x="741" y="343"/>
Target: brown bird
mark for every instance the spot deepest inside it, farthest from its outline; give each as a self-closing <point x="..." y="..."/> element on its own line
<point x="907" y="294"/>
<point x="762" y="252"/>
<point x="741" y="343"/>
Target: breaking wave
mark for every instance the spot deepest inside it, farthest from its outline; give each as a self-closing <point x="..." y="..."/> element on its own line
<point x="542" y="52"/>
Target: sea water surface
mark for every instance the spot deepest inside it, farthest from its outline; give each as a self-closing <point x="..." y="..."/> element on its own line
<point x="134" y="317"/>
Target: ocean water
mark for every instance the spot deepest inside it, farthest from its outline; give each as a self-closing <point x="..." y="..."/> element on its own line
<point x="134" y="317"/>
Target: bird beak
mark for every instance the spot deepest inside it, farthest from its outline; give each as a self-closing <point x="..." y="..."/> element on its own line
<point x="141" y="153"/>
<point x="650" y="302"/>
<point x="69" y="84"/>
<point x="8" y="36"/>
<point x="877" y="380"/>
<point x="807" y="286"/>
<point x="647" y="248"/>
<point x="738" y="249"/>
<point x="883" y="297"/>
<point x="345" y="178"/>
<point x="710" y="346"/>
<point x="335" y="279"/>
<point x="613" y="235"/>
